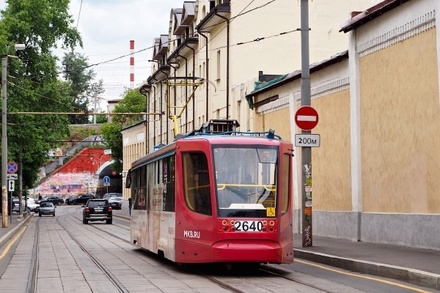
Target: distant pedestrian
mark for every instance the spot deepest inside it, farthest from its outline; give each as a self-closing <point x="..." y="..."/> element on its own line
<point x="129" y="206"/>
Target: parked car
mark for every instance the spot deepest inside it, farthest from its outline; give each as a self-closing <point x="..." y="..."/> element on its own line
<point x="112" y="194"/>
<point x="46" y="208"/>
<point x="16" y="205"/>
<point x="56" y="200"/>
<point x="70" y="199"/>
<point x="97" y="210"/>
<point x="115" y="202"/>
<point x="32" y="206"/>
<point x="82" y="199"/>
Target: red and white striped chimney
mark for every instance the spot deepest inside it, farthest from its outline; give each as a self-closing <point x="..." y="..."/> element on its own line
<point x="132" y="64"/>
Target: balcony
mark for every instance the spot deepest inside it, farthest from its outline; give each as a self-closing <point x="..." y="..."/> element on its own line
<point x="184" y="49"/>
<point x="216" y="15"/>
<point x="159" y="75"/>
<point x="160" y="47"/>
<point x="183" y="17"/>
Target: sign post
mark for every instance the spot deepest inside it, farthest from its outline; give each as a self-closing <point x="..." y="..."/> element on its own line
<point x="306" y="121"/>
<point x="106" y="180"/>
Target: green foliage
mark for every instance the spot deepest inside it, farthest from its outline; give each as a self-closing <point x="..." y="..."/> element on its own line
<point x="113" y="139"/>
<point x="101" y="118"/>
<point x="133" y="102"/>
<point x="80" y="78"/>
<point x="33" y="84"/>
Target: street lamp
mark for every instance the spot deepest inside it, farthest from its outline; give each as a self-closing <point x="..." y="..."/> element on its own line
<point x="4" y="170"/>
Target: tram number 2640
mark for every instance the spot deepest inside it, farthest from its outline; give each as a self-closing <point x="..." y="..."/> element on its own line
<point x="248" y="226"/>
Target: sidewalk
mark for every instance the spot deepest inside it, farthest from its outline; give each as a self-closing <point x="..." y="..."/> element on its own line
<point x="417" y="266"/>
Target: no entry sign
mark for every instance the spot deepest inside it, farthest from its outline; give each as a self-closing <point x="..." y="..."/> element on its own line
<point x="306" y="118"/>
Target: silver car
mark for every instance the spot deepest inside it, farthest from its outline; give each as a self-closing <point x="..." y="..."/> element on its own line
<point x="46" y="208"/>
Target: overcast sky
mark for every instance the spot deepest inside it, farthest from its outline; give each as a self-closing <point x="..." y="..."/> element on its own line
<point x="107" y="26"/>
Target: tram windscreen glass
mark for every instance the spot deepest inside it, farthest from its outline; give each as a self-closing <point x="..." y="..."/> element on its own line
<point x="246" y="181"/>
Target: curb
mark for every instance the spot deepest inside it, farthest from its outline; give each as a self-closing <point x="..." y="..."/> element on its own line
<point x="9" y="234"/>
<point x="413" y="276"/>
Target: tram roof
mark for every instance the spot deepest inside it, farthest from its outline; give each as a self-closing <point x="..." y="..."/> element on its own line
<point x="239" y="138"/>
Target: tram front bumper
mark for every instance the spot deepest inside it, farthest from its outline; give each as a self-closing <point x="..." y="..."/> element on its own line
<point x="247" y="251"/>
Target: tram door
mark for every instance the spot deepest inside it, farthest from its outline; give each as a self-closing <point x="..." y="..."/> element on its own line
<point x="194" y="221"/>
<point x="286" y="204"/>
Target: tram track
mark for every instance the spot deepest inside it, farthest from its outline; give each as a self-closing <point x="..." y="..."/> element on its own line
<point x="32" y="280"/>
<point x="225" y="284"/>
<point x="262" y="279"/>
<point x="110" y="276"/>
<point x="280" y="273"/>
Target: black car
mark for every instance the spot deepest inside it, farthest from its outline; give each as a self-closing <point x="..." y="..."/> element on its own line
<point x="70" y="199"/>
<point x="56" y="200"/>
<point x="82" y="199"/>
<point x="97" y="210"/>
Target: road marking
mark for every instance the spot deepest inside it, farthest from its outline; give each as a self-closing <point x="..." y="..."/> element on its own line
<point x="361" y="276"/>
<point x="12" y="242"/>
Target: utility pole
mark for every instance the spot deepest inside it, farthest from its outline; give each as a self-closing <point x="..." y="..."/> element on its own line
<point x="4" y="169"/>
<point x="306" y="152"/>
<point x="95" y="97"/>
<point x="4" y="143"/>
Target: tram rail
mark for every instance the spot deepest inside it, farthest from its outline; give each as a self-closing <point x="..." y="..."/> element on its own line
<point x="266" y="278"/>
<point x="266" y="273"/>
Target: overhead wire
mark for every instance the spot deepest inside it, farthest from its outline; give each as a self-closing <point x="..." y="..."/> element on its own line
<point x="79" y="14"/>
<point x="241" y="13"/>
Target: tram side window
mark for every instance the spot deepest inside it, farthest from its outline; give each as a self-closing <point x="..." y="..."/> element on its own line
<point x="197" y="186"/>
<point x="168" y="182"/>
<point x="138" y="186"/>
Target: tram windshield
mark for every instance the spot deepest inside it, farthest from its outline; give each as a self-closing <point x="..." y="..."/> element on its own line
<point x="246" y="180"/>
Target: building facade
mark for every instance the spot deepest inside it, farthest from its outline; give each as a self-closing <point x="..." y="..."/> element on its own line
<point x="376" y="89"/>
<point x="215" y="51"/>
<point x="375" y="173"/>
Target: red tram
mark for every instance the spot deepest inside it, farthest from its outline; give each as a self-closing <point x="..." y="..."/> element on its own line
<point x="215" y="198"/>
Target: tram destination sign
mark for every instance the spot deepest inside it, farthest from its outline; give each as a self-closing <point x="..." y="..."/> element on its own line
<point x="307" y="140"/>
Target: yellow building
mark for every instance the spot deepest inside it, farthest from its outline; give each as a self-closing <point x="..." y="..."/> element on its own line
<point x="374" y="83"/>
<point x="214" y="52"/>
<point x="375" y="172"/>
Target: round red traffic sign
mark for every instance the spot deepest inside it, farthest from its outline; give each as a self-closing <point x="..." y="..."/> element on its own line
<point x="306" y="118"/>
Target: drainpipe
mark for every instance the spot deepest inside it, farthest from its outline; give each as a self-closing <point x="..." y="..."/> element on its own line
<point x="174" y="118"/>
<point x="147" y="125"/>
<point x="207" y="75"/>
<point x="161" y="109"/>
<point x="193" y="75"/>
<point x="186" y="91"/>
<point x="227" y="64"/>
<point x="154" y="120"/>
<point x="145" y="90"/>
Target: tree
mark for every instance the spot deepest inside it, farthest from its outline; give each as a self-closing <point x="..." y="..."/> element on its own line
<point x="133" y="102"/>
<point x="33" y="84"/>
<point x="76" y="73"/>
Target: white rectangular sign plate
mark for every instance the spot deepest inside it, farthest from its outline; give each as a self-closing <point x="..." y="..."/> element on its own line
<point x="307" y="140"/>
<point x="12" y="176"/>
